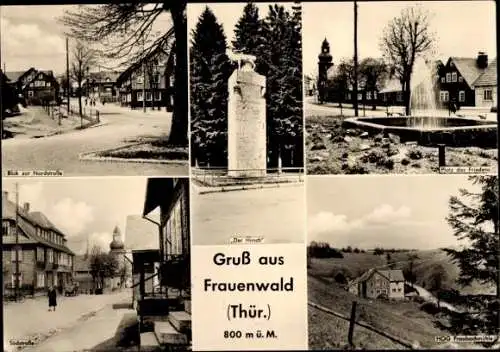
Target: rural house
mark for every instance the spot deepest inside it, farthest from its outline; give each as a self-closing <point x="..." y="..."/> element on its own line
<point x="150" y="81"/>
<point x="485" y="87"/>
<point x="377" y="283"/>
<point x="457" y="78"/>
<point x="101" y="86"/>
<point x="43" y="257"/>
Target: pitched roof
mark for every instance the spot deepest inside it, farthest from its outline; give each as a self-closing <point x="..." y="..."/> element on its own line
<point x="489" y="76"/>
<point x="14" y="76"/>
<point x="103" y="75"/>
<point x="27" y="222"/>
<point x="467" y="67"/>
<point x="393" y="275"/>
<point x="141" y="233"/>
<point x="169" y="45"/>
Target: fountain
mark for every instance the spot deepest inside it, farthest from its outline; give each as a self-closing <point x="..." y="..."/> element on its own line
<point x="428" y="125"/>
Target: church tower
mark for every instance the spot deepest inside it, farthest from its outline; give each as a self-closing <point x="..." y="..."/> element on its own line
<point x="117" y="249"/>
<point x="324" y="63"/>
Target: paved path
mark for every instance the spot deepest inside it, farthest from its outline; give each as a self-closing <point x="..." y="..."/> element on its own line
<point x="61" y="152"/>
<point x="277" y="214"/>
<point x="98" y="333"/>
<point x="32" y="319"/>
<point x="428" y="296"/>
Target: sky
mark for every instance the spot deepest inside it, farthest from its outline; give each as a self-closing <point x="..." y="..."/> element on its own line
<point x="462" y="28"/>
<point x="83" y="208"/>
<point x="227" y="15"/>
<point x="392" y="212"/>
<point x="31" y="36"/>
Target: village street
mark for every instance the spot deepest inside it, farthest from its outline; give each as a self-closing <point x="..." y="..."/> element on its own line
<point x="277" y="214"/>
<point x="61" y="152"/>
<point x="91" y="318"/>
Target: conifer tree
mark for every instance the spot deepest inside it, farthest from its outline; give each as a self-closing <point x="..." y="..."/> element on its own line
<point x="209" y="71"/>
<point x="474" y="217"/>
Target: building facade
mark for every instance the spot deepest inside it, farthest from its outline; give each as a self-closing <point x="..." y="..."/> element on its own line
<point x="379" y="284"/>
<point x="456" y="79"/>
<point x="149" y="82"/>
<point x="36" y="87"/>
<point x="35" y="252"/>
<point x="485" y="87"/>
<point x="102" y="86"/>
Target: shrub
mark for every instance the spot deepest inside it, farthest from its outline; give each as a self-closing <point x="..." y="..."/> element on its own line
<point x="430" y="308"/>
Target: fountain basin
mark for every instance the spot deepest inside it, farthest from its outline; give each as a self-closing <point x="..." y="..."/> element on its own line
<point x="452" y="131"/>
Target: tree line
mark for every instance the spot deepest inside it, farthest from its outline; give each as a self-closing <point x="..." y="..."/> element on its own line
<point x="275" y="40"/>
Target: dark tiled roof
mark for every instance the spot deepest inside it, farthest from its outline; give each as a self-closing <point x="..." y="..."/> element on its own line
<point x="489" y="77"/>
<point x="28" y="221"/>
<point x="467" y="67"/>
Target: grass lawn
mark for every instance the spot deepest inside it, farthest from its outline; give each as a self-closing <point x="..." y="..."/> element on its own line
<point x="332" y="149"/>
<point x="402" y="319"/>
<point x="153" y="148"/>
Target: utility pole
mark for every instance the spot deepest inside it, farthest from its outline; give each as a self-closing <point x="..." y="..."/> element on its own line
<point x="17" y="243"/>
<point x="355" y="88"/>
<point x="68" y="87"/>
<point x="143" y="78"/>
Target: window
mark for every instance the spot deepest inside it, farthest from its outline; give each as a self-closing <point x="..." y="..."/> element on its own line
<point x="368" y="95"/>
<point x="360" y="96"/>
<point x="13" y="255"/>
<point x="460" y="79"/>
<point x="454" y="77"/>
<point x="171" y="100"/>
<point x="47" y="84"/>
<point x="393" y="290"/>
<point x="384" y="97"/>
<point x="148" y="96"/>
<point x="443" y="79"/>
<point x="50" y="253"/>
<point x="13" y="279"/>
<point x="461" y="96"/>
<point x="374" y="95"/>
<point x="448" y="77"/>
<point x="399" y="289"/>
<point x="348" y="96"/>
<point x="31" y="84"/>
<point x="488" y="94"/>
<point x="139" y="96"/>
<point x="40" y="254"/>
<point x="399" y="96"/>
<point x="157" y="96"/>
<point x="30" y="93"/>
<point x="172" y="80"/>
<point x="444" y="96"/>
<point x="139" y="80"/>
<point x="40" y="280"/>
<point x="5" y="228"/>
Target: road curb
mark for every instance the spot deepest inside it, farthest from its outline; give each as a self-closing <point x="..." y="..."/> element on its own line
<point x="224" y="189"/>
<point x="92" y="156"/>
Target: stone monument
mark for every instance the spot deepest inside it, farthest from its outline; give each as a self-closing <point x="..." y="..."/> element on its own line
<point x="247" y="156"/>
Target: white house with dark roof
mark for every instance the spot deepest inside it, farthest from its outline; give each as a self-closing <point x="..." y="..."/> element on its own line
<point x="376" y="283"/>
<point x="485" y="87"/>
<point x="43" y="257"/>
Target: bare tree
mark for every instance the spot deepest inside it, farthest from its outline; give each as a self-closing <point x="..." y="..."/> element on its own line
<point x="406" y="38"/>
<point x="122" y="28"/>
<point x="83" y="58"/>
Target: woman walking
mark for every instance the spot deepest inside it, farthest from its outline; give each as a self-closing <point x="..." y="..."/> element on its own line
<point x="52" y="298"/>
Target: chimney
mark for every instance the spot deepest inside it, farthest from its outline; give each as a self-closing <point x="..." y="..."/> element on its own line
<point x="26" y="207"/>
<point x="482" y="60"/>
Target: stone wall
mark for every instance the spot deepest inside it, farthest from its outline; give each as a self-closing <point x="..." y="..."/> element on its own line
<point x="247" y="156"/>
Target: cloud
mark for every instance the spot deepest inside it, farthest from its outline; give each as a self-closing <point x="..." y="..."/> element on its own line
<point x="384" y="224"/>
<point x="100" y="239"/>
<point x="71" y="216"/>
<point x="32" y="193"/>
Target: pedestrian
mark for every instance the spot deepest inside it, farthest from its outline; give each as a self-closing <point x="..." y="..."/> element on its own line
<point x="52" y="298"/>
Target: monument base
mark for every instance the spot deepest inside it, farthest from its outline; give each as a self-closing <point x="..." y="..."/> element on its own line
<point x="247" y="173"/>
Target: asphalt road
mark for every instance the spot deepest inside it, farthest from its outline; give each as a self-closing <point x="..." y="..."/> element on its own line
<point x="61" y="152"/>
